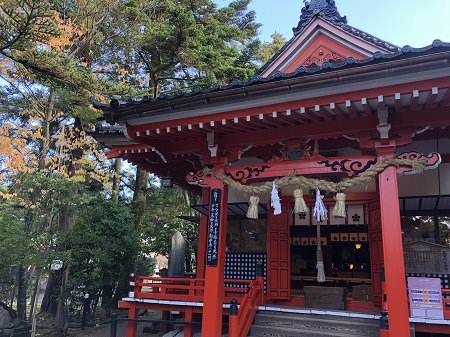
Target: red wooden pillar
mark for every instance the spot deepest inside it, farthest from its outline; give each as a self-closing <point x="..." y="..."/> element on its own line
<point x="165" y="327"/>
<point x="188" y="317"/>
<point x="214" y="274"/>
<point x="202" y="236"/>
<point x="397" y="301"/>
<point x="132" y="325"/>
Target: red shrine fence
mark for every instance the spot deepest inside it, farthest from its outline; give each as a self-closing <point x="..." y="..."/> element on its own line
<point x="241" y="298"/>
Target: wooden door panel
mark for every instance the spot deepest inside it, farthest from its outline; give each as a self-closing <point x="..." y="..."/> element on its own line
<point x="278" y="281"/>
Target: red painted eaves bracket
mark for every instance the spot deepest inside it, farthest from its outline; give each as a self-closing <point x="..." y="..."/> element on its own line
<point x="123" y="150"/>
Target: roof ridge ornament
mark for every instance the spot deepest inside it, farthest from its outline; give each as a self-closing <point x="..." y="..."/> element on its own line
<point x="324" y="8"/>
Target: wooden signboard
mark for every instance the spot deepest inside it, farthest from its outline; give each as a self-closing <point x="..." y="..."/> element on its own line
<point x="214" y="225"/>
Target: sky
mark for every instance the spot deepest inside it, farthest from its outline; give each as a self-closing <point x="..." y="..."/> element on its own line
<point x="401" y="22"/>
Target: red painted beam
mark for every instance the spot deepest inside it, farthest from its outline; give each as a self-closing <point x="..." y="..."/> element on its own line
<point x="433" y="328"/>
<point x="280" y="168"/>
<point x="316" y="130"/>
<point x="438" y="117"/>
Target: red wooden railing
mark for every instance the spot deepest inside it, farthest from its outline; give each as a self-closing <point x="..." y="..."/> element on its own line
<point x="446" y="303"/>
<point x="183" y="289"/>
<point x="241" y="320"/>
<point x="172" y="289"/>
<point x="249" y="294"/>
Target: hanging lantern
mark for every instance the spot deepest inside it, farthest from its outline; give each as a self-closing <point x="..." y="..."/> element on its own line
<point x="167" y="182"/>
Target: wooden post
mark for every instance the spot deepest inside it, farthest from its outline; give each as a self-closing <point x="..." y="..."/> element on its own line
<point x="202" y="237"/>
<point x="397" y="301"/>
<point x="165" y="327"/>
<point x="132" y="325"/>
<point x="260" y="279"/>
<point x="233" y="324"/>
<point x="188" y="317"/>
<point x="214" y="274"/>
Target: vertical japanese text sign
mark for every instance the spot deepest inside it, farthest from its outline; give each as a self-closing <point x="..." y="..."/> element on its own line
<point x="214" y="224"/>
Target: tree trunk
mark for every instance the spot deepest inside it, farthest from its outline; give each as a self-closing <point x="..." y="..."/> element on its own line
<point x="66" y="223"/>
<point x="49" y="301"/>
<point x="46" y="129"/>
<point x="140" y="195"/>
<point x="116" y="179"/>
<point x="60" y="318"/>
<point x="107" y="293"/>
<point x="34" y="295"/>
<point x="22" y="281"/>
<point x="13" y="291"/>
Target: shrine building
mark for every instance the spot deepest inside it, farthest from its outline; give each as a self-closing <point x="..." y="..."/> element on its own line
<point x="336" y="113"/>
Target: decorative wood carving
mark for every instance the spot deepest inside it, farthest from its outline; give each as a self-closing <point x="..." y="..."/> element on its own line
<point x="352" y="167"/>
<point x="433" y="160"/>
<point x="323" y="54"/>
<point x="196" y="179"/>
<point x="281" y="167"/>
<point x="247" y="173"/>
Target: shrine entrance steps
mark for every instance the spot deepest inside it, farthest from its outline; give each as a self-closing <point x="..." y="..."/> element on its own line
<point x="281" y="324"/>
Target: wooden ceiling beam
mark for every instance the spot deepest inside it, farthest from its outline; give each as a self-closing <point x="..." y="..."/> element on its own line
<point x="320" y="110"/>
<point x="398" y="102"/>
<point x="446" y="99"/>
<point x="351" y="109"/>
<point x="414" y="100"/>
<point x="431" y="99"/>
<point x="366" y="106"/>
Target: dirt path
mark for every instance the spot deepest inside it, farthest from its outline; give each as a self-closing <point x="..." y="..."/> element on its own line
<point x="105" y="329"/>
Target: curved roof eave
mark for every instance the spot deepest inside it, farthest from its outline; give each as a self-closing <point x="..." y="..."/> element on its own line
<point x="119" y="111"/>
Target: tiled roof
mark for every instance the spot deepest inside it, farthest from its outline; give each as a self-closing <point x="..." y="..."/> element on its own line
<point x="404" y="52"/>
<point x="327" y="10"/>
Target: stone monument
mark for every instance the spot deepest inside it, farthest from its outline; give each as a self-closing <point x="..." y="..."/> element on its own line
<point x="177" y="255"/>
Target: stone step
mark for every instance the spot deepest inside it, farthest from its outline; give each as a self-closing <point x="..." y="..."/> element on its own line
<point x="276" y="324"/>
<point x="324" y="319"/>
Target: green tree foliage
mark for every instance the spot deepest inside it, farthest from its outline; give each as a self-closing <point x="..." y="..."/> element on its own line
<point x="56" y="56"/>
<point x="166" y="45"/>
<point x="13" y="243"/>
<point x="164" y="207"/>
<point x="268" y="49"/>
<point x="102" y="246"/>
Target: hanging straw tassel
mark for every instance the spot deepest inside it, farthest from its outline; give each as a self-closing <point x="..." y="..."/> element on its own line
<point x="320" y="211"/>
<point x="300" y="205"/>
<point x="339" y="208"/>
<point x="320" y="267"/>
<point x="252" y="212"/>
<point x="275" y="200"/>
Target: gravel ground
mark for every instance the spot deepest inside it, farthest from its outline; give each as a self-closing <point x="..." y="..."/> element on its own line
<point x="104" y="330"/>
<point x="101" y="330"/>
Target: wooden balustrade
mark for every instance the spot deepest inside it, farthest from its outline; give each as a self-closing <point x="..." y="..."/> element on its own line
<point x="446" y="303"/>
<point x="240" y="324"/>
<point x="184" y="289"/>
